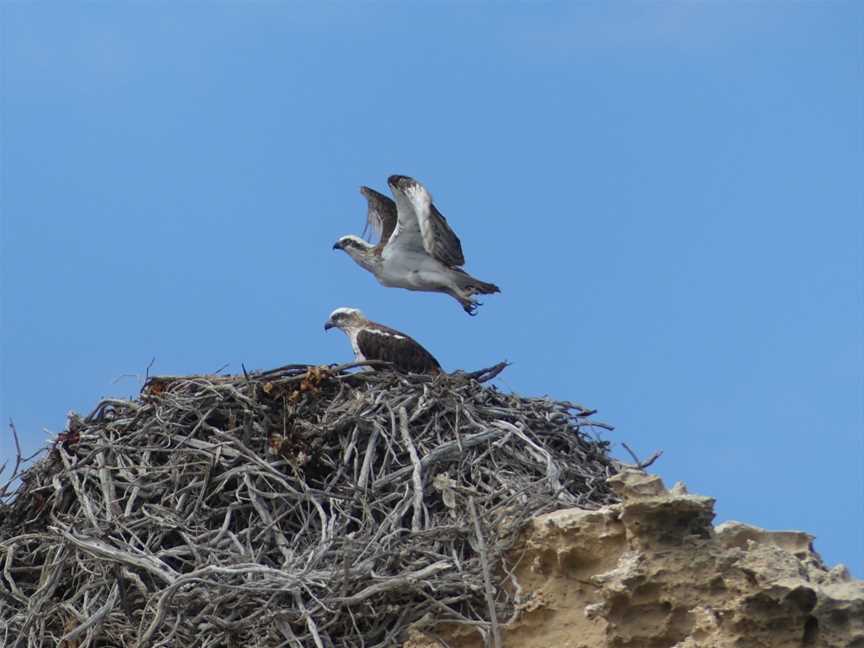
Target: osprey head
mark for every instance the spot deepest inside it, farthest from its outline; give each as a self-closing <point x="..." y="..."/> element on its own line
<point x="352" y="244"/>
<point x="344" y="318"/>
<point x="361" y="251"/>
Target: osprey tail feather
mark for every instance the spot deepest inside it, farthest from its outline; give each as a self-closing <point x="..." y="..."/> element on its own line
<point x="483" y="288"/>
<point x="466" y="287"/>
<point x="474" y="286"/>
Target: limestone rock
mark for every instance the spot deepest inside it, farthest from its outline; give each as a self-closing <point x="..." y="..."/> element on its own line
<point x="652" y="572"/>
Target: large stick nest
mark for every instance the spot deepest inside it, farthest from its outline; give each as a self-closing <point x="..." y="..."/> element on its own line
<point x="304" y="506"/>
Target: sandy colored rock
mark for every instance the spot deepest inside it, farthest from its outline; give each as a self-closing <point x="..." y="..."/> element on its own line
<point x="653" y="572"/>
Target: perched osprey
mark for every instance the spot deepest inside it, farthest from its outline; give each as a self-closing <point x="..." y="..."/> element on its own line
<point x="372" y="341"/>
<point x="417" y="249"/>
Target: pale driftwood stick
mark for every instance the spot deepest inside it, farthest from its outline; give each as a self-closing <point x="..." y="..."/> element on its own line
<point x="95" y="619"/>
<point x="487" y="374"/>
<point x="109" y="494"/>
<point x="542" y="456"/>
<point x="107" y="552"/>
<point x="487" y="578"/>
<point x="198" y="575"/>
<point x="395" y="583"/>
<point x="7" y="572"/>
<point x="264" y="514"/>
<point x="368" y="457"/>
<point x="441" y="452"/>
<point x="416" y="477"/>
<point x="310" y="621"/>
<point x="288" y="633"/>
<point x="641" y="465"/>
<point x="76" y="485"/>
<point x="18" y="460"/>
<point x="52" y="572"/>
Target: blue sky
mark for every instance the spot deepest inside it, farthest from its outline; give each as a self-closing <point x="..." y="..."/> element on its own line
<point x="669" y="195"/>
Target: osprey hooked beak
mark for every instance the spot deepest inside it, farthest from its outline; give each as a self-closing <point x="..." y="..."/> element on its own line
<point x="328" y="325"/>
<point x="337" y="245"/>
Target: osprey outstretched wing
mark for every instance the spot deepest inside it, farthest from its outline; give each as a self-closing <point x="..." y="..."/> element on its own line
<point x="381" y="215"/>
<point x="417" y="248"/>
<point x="418" y="215"/>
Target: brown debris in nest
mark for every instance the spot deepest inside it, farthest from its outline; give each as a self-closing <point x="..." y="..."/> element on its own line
<point x="304" y="506"/>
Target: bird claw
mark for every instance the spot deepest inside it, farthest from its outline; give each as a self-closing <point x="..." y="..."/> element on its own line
<point x="471" y="308"/>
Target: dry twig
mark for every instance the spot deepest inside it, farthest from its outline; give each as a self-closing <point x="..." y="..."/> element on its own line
<point x="637" y="463"/>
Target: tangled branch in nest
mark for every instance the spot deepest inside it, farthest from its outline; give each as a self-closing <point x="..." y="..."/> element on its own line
<point x="305" y="506"/>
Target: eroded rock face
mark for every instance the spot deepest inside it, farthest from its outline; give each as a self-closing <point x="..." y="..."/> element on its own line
<point x="652" y="572"/>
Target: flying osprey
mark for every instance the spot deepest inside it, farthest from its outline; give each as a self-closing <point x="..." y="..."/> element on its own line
<point x="417" y="249"/>
<point x="372" y="341"/>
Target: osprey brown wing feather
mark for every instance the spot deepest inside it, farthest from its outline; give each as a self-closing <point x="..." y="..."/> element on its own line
<point x="444" y="245"/>
<point x="381" y="214"/>
<point x="389" y="345"/>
